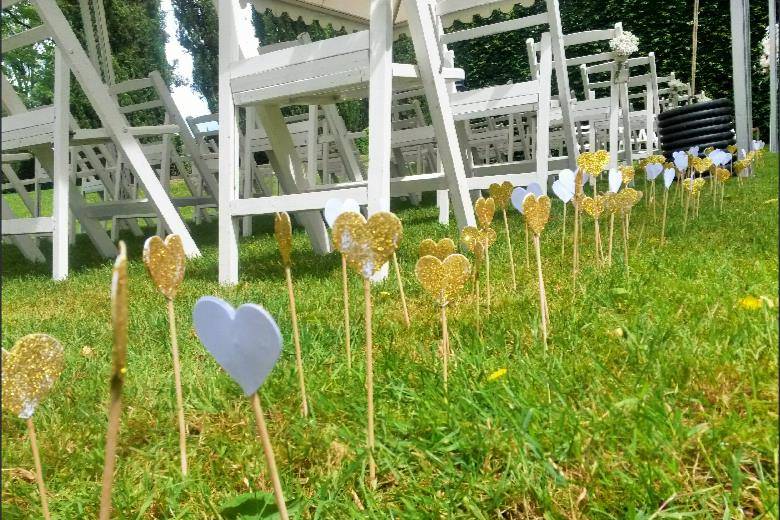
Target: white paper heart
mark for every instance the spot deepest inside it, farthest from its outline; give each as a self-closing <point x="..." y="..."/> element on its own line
<point x="758" y="145"/>
<point x="653" y="170"/>
<point x="742" y="153"/>
<point x="246" y="342"/>
<point x="615" y="180"/>
<point x="567" y="177"/>
<point x="680" y="160"/>
<point x="720" y="157"/>
<point x="563" y="190"/>
<point x="535" y="189"/>
<point x="518" y="196"/>
<point x="668" y="177"/>
<point x="335" y="207"/>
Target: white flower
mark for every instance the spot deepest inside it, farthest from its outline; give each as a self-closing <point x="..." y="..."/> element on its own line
<point x="624" y="45"/>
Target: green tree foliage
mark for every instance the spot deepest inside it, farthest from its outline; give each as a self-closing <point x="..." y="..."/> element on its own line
<point x="136" y="31"/>
<point x="198" y="33"/>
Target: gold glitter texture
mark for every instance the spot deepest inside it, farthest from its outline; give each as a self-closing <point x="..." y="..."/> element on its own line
<point x="627" y="172"/>
<point x="119" y="318"/>
<point x="477" y="240"/>
<point x="443" y="279"/>
<point x="536" y="212"/>
<point x="283" y="235"/>
<point x="722" y="174"/>
<point x="701" y="164"/>
<point x="485" y="209"/>
<point x="501" y="193"/>
<point x="441" y="249"/>
<point x="165" y="261"/>
<point x="30" y="370"/>
<point x="593" y="206"/>
<point x="367" y="245"/>
<point x="593" y="162"/>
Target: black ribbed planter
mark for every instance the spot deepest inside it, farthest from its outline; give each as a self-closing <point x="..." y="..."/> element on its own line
<point x="705" y="124"/>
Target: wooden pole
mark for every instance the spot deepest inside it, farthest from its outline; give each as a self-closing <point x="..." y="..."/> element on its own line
<point x="177" y="384"/>
<point x="369" y="382"/>
<point x="611" y="232"/>
<point x="576" y="245"/>
<point x="527" y="247"/>
<point x="445" y="339"/>
<point x="625" y="240"/>
<point x="401" y="289"/>
<point x="112" y="435"/>
<point x="542" y="296"/>
<point x="773" y="144"/>
<point x="296" y="342"/>
<point x="694" y="45"/>
<point x="345" y="286"/>
<point x="487" y="275"/>
<point x="511" y="254"/>
<point x="563" y="233"/>
<point x="269" y="456"/>
<point x="663" y="217"/>
<point x="38" y="468"/>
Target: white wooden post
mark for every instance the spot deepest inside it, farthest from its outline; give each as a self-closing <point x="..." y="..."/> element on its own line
<point x="543" y="114"/>
<point x="311" y="144"/>
<point x="562" y="77"/>
<point x="740" y="57"/>
<point x="228" y="146"/>
<point x="247" y="167"/>
<point x="614" y="119"/>
<point x="773" y="145"/>
<point x="100" y="98"/>
<point x="61" y="173"/>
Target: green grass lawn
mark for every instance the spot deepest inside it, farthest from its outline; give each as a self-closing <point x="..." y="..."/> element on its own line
<point x="657" y="396"/>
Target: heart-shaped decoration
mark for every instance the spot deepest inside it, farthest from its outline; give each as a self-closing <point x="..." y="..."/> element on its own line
<point x="593" y="206"/>
<point x="165" y="261"/>
<point x="335" y="207"/>
<point x="537" y="212"/>
<point x="368" y="245"/>
<point x="246" y="342"/>
<point x="732" y="149"/>
<point x="443" y="279"/>
<point x="701" y="164"/>
<point x="628" y="198"/>
<point x="501" y="193"/>
<point x="669" y="175"/>
<point x="283" y="235"/>
<point x="534" y="188"/>
<point x="758" y="145"/>
<point x="653" y="170"/>
<point x="441" y="249"/>
<point x="627" y="173"/>
<point x="477" y="240"/>
<point x="485" y="210"/>
<point x="518" y="195"/>
<point x="30" y="370"/>
<point x="563" y="190"/>
<point x="615" y="179"/>
<point x="611" y="202"/>
<point x="593" y="162"/>
<point x="693" y="151"/>
<point x="680" y="160"/>
<point x="722" y="174"/>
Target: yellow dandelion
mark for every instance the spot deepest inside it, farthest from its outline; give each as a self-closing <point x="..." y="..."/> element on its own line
<point x="498" y="374"/>
<point x="750" y="303"/>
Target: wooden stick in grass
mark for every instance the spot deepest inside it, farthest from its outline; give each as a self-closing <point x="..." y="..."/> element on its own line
<point x="398" y="278"/>
<point x="165" y="261"/>
<point x="246" y="342"/>
<point x="30" y="369"/>
<point x="119" y="320"/>
<point x="368" y="245"/>
<point x="269" y="456"/>
<point x="283" y="234"/>
<point x="443" y="280"/>
<point x="537" y="213"/>
<point x="485" y="210"/>
<point x="345" y="287"/>
<point x="502" y="194"/>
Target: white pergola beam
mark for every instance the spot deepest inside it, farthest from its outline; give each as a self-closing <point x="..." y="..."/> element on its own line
<point x="740" y="57"/>
<point x="772" y="76"/>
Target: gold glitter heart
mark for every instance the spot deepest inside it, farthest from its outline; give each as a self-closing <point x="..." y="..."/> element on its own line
<point x="283" y="235"/>
<point x="536" y="212"/>
<point x="443" y="279"/>
<point x="30" y="369"/>
<point x="732" y="149"/>
<point x="722" y="174"/>
<point x="485" y="209"/>
<point x="627" y="172"/>
<point x="367" y="245"/>
<point x="701" y="164"/>
<point x="119" y="318"/>
<point x="165" y="261"/>
<point x="611" y="203"/>
<point x="501" y="193"/>
<point x="627" y="198"/>
<point x="593" y="206"/>
<point x="477" y="240"/>
<point x="593" y="162"/>
<point x="441" y="249"/>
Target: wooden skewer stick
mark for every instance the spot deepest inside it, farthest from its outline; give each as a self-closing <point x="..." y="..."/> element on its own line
<point x="38" y="468"/>
<point x="685" y="218"/>
<point x="369" y="382"/>
<point x="401" y="289"/>
<point x="527" y="247"/>
<point x="611" y="232"/>
<point x="597" y="240"/>
<point x="511" y="254"/>
<point x="269" y="456"/>
<point x="652" y="191"/>
<point x="177" y="384"/>
<point x="563" y="233"/>
<point x="576" y="245"/>
<point x="445" y="339"/>
<point x="114" y="410"/>
<point x="345" y="286"/>
<point x="663" y="217"/>
<point x="625" y="240"/>
<point x="542" y="295"/>
<point x="487" y="275"/>
<point x="296" y="342"/>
